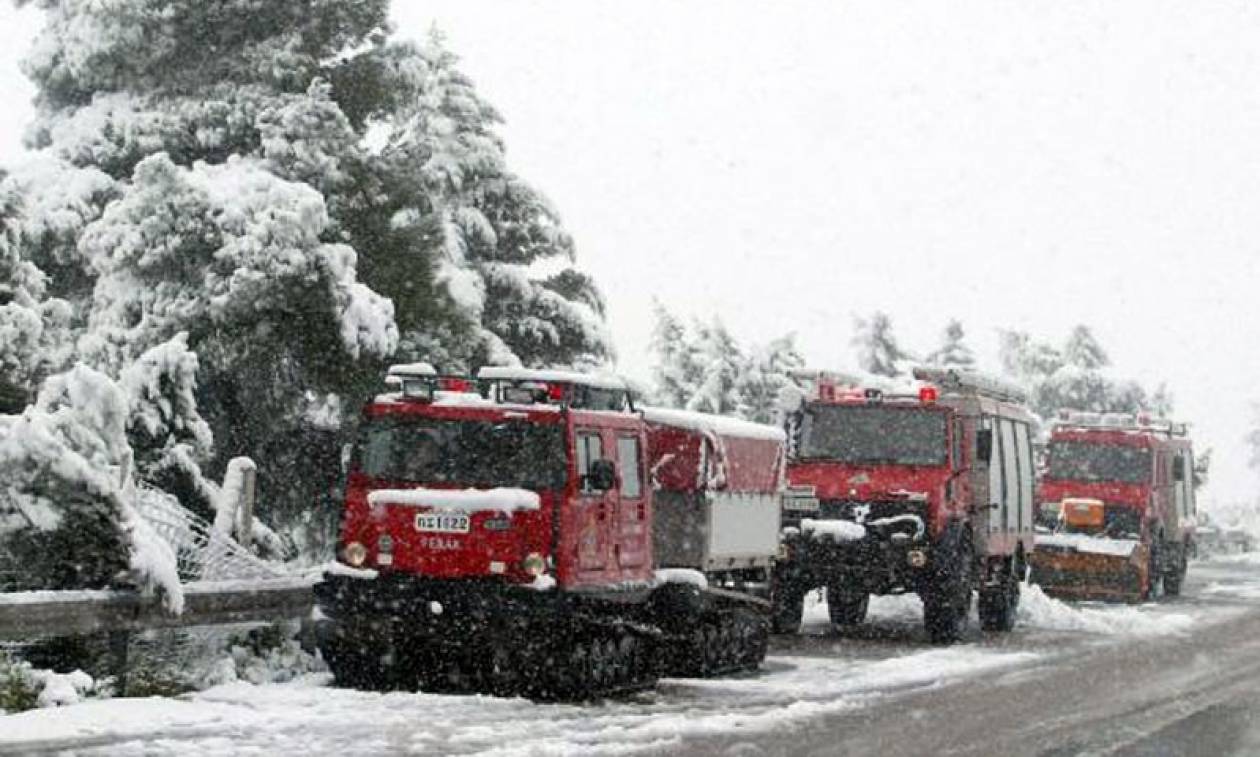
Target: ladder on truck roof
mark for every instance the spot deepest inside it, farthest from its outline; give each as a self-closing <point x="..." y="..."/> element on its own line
<point x="955" y="381"/>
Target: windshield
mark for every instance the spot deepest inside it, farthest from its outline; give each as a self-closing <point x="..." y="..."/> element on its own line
<point x="480" y="453"/>
<point x="873" y="434"/>
<point x="1085" y="461"/>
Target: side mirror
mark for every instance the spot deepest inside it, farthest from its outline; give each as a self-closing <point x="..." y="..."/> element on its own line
<point x="602" y="475"/>
<point x="984" y="445"/>
<point x="1179" y="469"/>
<point x="347" y="453"/>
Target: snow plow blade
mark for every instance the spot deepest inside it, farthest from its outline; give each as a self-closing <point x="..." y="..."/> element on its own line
<point x="1066" y="573"/>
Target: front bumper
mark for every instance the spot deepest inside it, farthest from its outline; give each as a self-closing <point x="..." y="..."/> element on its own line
<point x="877" y="563"/>
<point x="391" y="606"/>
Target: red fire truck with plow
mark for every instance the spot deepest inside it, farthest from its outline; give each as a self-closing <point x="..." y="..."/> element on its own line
<point x="532" y="532"/>
<point x="1117" y="504"/>
<point x="929" y="492"/>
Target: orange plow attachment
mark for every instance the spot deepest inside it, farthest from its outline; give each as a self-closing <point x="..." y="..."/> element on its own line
<point x="1069" y="572"/>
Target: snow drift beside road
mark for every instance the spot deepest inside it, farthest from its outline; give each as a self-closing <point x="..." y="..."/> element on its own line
<point x="1036" y="611"/>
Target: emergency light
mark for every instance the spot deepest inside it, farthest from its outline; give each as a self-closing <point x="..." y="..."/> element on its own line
<point x="928" y="395"/>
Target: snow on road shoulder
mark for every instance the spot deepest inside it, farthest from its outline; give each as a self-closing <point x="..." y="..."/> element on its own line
<point x="309" y="716"/>
<point x="1037" y="610"/>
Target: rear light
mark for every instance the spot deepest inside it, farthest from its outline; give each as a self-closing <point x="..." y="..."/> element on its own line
<point x="355" y="554"/>
<point x="385" y="550"/>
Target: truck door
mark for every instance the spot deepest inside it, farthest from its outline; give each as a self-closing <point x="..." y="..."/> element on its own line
<point x="1027" y="476"/>
<point x="632" y="537"/>
<point x="1011" y="490"/>
<point x="591" y="519"/>
<point x="994" y="504"/>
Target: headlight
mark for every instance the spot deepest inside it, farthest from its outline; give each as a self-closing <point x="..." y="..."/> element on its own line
<point x="355" y="554"/>
<point x="534" y="564"/>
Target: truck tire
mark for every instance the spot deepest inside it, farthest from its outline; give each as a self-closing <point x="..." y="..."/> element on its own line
<point x="788" y="610"/>
<point x="998" y="605"/>
<point x="1155" y="573"/>
<point x="1177" y="575"/>
<point x="846" y="607"/>
<point x="947" y="599"/>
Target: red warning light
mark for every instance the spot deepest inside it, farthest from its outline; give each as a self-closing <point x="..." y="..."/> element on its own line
<point x="928" y="395"/>
<point x="452" y="384"/>
<point x="555" y="392"/>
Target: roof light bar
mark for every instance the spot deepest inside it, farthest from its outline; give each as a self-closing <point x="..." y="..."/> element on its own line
<point x="955" y="381"/>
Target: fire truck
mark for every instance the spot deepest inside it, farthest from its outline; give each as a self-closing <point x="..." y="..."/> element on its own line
<point x="927" y="491"/>
<point x="533" y="532"/>
<point x="1117" y="504"/>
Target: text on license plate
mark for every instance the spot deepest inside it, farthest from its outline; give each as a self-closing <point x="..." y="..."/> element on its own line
<point x="801" y="504"/>
<point x="442" y="523"/>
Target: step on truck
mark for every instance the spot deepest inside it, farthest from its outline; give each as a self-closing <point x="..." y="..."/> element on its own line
<point x="928" y="491"/>
<point x="1117" y="511"/>
<point x="534" y="533"/>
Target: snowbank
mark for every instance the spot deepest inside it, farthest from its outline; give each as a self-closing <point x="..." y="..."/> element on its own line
<point x="837" y="530"/>
<point x="62" y="690"/>
<point x="504" y="500"/>
<point x="1037" y="610"/>
<point x="1094" y="545"/>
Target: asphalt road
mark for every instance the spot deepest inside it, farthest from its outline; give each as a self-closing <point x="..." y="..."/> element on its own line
<point x="1191" y="694"/>
<point x="1180" y="678"/>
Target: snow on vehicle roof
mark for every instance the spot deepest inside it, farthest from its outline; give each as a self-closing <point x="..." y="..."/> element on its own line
<point x="509" y="373"/>
<point x="504" y="500"/>
<point x="715" y="424"/>
<point x="412" y="369"/>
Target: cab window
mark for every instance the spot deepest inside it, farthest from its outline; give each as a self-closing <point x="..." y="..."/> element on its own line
<point x="628" y="458"/>
<point x="588" y="448"/>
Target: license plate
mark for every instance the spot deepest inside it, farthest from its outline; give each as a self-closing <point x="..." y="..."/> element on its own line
<point x="442" y="523"/>
<point x="801" y="504"/>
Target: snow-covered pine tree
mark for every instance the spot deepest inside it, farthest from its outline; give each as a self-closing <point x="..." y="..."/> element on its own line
<point x="216" y="170"/>
<point x="1073" y="378"/>
<point x="877" y="349"/>
<point x="1083" y="350"/>
<point x="722" y="366"/>
<point x="953" y="352"/>
<point x="676" y="373"/>
<point x="767" y="376"/>
<point x="493" y="228"/>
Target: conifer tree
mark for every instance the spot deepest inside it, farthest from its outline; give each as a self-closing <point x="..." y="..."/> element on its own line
<point x="294" y="199"/>
<point x="877" y="349"/>
<point x="953" y="352"/>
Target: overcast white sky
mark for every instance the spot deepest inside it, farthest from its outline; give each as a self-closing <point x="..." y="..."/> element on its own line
<point x="790" y="164"/>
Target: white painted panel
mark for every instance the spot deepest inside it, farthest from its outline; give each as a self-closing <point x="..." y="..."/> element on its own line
<point x="744" y="525"/>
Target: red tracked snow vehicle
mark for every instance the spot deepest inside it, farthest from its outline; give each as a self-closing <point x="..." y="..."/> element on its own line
<point x="532" y="532"/>
<point x="929" y="492"/>
<point x="1117" y="506"/>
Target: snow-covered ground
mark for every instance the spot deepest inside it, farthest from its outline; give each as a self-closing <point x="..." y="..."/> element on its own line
<point x="807" y="677"/>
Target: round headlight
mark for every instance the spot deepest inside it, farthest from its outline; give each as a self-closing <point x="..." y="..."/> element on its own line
<point x="355" y="554"/>
<point x="534" y="564"/>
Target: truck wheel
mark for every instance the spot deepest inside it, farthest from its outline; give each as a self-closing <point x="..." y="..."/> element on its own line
<point x="999" y="605"/>
<point x="1155" y="575"/>
<point x="846" y="607"/>
<point x="947" y="601"/>
<point x="789" y="609"/>
<point x="1174" y="578"/>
